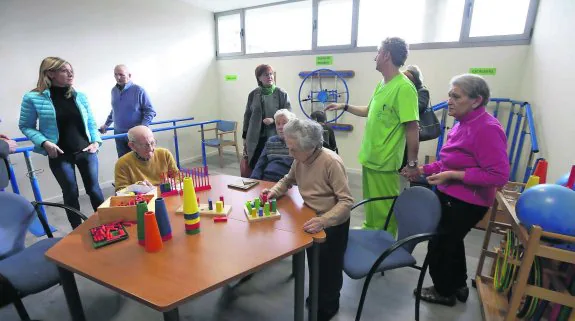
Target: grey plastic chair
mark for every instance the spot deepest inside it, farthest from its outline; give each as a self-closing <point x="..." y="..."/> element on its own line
<point x="417" y="211"/>
<point x="24" y="271"/>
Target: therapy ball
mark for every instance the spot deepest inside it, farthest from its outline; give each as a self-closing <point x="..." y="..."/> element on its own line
<point x="550" y="206"/>
<point x="563" y="181"/>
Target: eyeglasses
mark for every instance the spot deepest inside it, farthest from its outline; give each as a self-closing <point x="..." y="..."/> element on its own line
<point x="268" y="74"/>
<point x="151" y="144"/>
<point x="65" y="70"/>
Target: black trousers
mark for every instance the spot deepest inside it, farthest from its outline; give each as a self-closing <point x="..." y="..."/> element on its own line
<point x="331" y="254"/>
<point x="258" y="152"/>
<point x="447" y="264"/>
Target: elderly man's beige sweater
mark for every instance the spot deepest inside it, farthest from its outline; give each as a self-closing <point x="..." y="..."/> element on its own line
<point x="323" y="185"/>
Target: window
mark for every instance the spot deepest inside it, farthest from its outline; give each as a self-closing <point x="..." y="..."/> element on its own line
<point x="417" y="21"/>
<point x="229" y="34"/>
<point x="293" y="27"/>
<point x="284" y="27"/>
<point x="334" y="22"/>
<point x="497" y="18"/>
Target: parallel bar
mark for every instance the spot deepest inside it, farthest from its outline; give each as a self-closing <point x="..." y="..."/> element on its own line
<point x="36" y="227"/>
<point x="176" y="145"/>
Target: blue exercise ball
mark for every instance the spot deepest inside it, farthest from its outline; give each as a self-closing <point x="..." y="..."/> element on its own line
<point x="563" y="181"/>
<point x="550" y="206"/>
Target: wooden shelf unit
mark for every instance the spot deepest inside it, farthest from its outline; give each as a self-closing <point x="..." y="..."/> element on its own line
<point x="495" y="305"/>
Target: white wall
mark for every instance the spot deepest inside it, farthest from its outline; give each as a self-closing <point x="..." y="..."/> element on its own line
<point x="438" y="67"/>
<point x="548" y="83"/>
<point x="167" y="44"/>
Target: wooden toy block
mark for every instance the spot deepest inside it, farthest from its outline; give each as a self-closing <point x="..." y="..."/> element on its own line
<point x="220" y="219"/>
<point x="123" y="208"/>
<point x="251" y="218"/>
<point x="204" y="210"/>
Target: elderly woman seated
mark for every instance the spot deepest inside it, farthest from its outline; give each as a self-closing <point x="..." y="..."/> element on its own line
<point x="322" y="182"/>
<point x="275" y="160"/>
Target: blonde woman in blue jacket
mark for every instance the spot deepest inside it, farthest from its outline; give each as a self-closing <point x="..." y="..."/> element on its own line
<point x="66" y="132"/>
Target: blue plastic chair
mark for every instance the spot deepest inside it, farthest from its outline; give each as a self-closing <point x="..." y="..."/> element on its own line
<point x="222" y="128"/>
<point x="24" y="271"/>
<point x="417" y="211"/>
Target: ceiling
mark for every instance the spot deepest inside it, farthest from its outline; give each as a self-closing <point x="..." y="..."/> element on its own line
<point x="225" y="5"/>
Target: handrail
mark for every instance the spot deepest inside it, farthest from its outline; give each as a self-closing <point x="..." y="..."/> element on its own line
<point x="29" y="148"/>
<point x="23" y="139"/>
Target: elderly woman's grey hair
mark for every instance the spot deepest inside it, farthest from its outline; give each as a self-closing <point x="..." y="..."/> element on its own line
<point x="473" y="86"/>
<point x="307" y="133"/>
<point x="285" y="113"/>
<point x="415" y="71"/>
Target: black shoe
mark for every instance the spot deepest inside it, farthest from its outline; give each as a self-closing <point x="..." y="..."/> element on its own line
<point x="429" y="294"/>
<point x="462" y="293"/>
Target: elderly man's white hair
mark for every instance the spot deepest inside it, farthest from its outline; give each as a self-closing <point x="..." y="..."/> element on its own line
<point x="138" y="131"/>
<point x="307" y="133"/>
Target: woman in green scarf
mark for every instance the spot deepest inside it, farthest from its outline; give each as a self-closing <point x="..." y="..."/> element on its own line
<point x="263" y="102"/>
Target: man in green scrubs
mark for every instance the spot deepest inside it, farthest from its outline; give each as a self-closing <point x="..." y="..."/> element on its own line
<point x="392" y="121"/>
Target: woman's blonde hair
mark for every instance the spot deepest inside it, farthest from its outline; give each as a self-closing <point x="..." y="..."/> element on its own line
<point x="50" y="64"/>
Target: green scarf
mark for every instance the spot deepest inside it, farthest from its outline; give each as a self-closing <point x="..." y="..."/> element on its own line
<point x="266" y="91"/>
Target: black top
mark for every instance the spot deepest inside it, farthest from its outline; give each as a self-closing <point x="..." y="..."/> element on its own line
<point x="71" y="128"/>
<point x="329" y="138"/>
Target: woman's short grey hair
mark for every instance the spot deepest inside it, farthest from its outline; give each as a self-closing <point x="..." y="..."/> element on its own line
<point x="415" y="71"/>
<point x="285" y="113"/>
<point x="473" y="86"/>
<point x="307" y="133"/>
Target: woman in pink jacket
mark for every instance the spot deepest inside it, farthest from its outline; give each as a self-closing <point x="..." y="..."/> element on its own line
<point x="473" y="164"/>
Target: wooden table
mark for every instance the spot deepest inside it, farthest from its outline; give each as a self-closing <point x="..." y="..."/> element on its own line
<point x="189" y="266"/>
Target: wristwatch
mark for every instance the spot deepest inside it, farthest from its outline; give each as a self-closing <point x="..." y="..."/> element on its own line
<point x="412" y="164"/>
<point x="345" y="107"/>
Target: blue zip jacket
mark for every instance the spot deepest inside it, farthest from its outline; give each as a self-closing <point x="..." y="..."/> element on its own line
<point x="38" y="107"/>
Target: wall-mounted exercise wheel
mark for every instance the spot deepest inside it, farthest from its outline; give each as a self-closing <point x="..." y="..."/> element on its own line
<point x="321" y="87"/>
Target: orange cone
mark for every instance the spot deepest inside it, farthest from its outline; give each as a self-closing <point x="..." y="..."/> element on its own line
<point x="541" y="171"/>
<point x="153" y="238"/>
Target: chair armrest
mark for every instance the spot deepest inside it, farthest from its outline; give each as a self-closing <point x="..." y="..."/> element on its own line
<point x="229" y="132"/>
<point x="380" y="198"/>
<point x="43" y="220"/>
<point x="418" y="238"/>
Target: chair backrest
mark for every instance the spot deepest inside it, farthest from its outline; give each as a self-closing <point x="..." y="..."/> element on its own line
<point x="417" y="210"/>
<point x="226" y="125"/>
<point x="16" y="214"/>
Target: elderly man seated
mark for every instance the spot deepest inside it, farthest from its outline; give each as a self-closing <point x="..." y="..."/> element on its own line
<point x="145" y="163"/>
<point x="275" y="160"/>
<point x="322" y="181"/>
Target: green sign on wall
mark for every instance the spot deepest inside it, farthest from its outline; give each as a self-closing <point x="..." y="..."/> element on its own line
<point x="231" y="77"/>
<point x="483" y="71"/>
<point x="323" y="60"/>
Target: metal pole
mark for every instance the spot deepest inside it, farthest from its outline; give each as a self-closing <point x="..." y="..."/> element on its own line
<point x="35" y="227"/>
<point x="176" y="145"/>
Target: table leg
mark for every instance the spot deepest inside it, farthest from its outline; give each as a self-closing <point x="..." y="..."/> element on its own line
<point x="299" y="273"/>
<point x="172" y="315"/>
<point x="314" y="282"/>
<point x="72" y="295"/>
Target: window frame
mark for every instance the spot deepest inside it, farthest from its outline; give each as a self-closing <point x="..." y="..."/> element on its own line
<point x="464" y="40"/>
<point x="242" y="40"/>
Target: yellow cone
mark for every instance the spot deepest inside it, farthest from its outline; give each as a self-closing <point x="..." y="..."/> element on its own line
<point x="532" y="181"/>
<point x="190" y="202"/>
